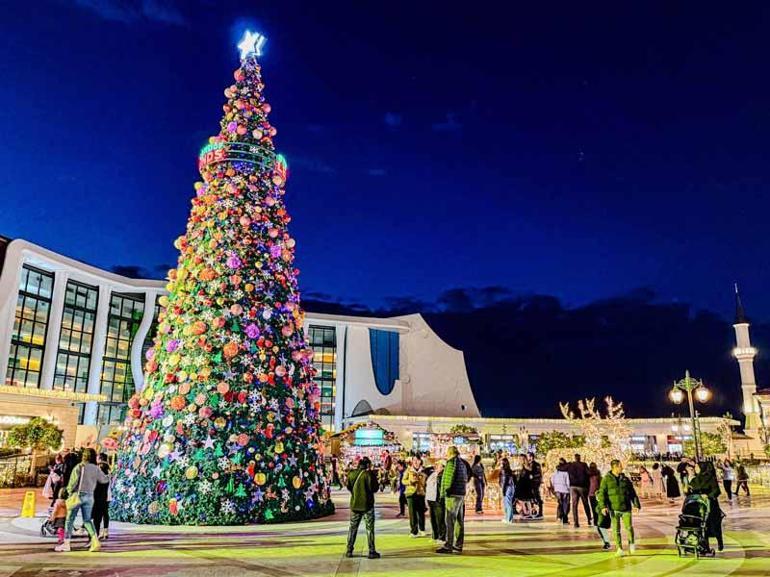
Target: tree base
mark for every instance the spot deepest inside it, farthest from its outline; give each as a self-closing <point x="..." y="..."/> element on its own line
<point x="189" y="518"/>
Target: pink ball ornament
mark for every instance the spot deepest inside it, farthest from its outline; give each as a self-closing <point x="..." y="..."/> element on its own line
<point x="257" y="134"/>
<point x="266" y="108"/>
<point x="232" y="126"/>
<point x="252" y="331"/>
<point x="241" y="130"/>
<point x="233" y="262"/>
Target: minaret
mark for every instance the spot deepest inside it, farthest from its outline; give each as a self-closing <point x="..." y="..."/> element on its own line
<point x="745" y="354"/>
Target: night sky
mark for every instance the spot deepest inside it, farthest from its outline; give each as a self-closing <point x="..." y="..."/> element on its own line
<point x="583" y="151"/>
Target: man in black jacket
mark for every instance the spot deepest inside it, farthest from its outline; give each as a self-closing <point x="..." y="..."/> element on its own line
<point x="537" y="480"/>
<point x="578" y="488"/>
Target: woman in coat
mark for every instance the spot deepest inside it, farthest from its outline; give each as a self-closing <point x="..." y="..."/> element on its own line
<point x="705" y="483"/>
<point x="672" y="485"/>
<point x="507" y="489"/>
<point x="523" y="488"/>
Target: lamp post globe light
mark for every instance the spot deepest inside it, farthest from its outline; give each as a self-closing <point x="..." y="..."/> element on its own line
<point x="687" y="386"/>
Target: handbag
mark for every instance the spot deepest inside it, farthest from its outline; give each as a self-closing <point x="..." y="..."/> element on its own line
<point x="74" y="499"/>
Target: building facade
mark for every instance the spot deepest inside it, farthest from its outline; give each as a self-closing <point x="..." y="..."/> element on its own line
<point x="73" y="338"/>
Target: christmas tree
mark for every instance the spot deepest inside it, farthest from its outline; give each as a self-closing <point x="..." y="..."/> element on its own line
<point x="226" y="428"/>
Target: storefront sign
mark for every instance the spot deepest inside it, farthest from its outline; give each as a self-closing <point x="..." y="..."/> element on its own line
<point x="369" y="438"/>
<point x="13" y="420"/>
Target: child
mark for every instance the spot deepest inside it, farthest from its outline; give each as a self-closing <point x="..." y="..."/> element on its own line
<point x="58" y="518"/>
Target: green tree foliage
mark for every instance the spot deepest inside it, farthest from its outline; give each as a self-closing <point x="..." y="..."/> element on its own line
<point x="557" y="440"/>
<point x="38" y="435"/>
<point x="713" y="445"/>
<point x="463" y="430"/>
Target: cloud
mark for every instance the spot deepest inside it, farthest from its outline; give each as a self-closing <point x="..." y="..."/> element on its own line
<point x="449" y="125"/>
<point x="132" y="11"/>
<point x="157" y="271"/>
<point x="392" y="120"/>
<point x="377" y="172"/>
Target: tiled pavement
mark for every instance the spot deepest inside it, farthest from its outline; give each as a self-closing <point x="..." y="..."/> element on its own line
<point x="315" y="548"/>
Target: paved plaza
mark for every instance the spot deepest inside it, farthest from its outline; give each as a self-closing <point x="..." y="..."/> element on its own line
<point x="315" y="548"/>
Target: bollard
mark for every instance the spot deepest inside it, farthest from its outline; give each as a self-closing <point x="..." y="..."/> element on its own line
<point x="28" y="507"/>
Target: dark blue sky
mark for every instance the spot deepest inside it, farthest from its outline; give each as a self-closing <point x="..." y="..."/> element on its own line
<point x="580" y="150"/>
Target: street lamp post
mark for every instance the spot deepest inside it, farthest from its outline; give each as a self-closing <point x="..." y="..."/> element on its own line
<point x="689" y="386"/>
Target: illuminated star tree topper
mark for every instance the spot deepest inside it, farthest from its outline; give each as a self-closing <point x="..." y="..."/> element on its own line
<point x="251" y="44"/>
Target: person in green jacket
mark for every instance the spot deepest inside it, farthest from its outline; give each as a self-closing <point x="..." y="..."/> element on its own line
<point x="616" y="497"/>
<point x="362" y="485"/>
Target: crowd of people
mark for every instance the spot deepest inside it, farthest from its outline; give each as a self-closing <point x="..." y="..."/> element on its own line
<point x="79" y="483"/>
<point x="607" y="500"/>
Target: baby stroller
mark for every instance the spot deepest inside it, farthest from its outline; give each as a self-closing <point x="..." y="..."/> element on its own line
<point x="47" y="529"/>
<point x="691" y="533"/>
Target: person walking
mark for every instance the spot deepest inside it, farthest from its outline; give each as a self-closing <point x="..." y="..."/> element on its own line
<point x="453" y="487"/>
<point x="414" y="491"/>
<point x="387" y="465"/>
<point x="479" y="482"/>
<point x="537" y="481"/>
<point x="522" y="493"/>
<point x="54" y="483"/>
<point x="436" y="503"/>
<point x="102" y="498"/>
<point x="645" y="482"/>
<point x="594" y="480"/>
<point x="560" y="487"/>
<point x="728" y="478"/>
<point x="743" y="479"/>
<point x="362" y="486"/>
<point x="400" y="470"/>
<point x="578" y="488"/>
<point x="657" y="481"/>
<point x="705" y="482"/>
<point x="335" y="472"/>
<point x="616" y="497"/>
<point x="80" y="498"/>
<point x="58" y="518"/>
<point x="507" y="484"/>
<point x="683" y="469"/>
<point x="672" y="486"/>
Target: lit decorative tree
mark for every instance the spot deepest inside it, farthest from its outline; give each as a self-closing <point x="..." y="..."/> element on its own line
<point x="38" y="435"/>
<point x="605" y="437"/>
<point x="227" y="426"/>
<point x="712" y="444"/>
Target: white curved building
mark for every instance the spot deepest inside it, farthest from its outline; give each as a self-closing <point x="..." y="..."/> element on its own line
<point x="73" y="337"/>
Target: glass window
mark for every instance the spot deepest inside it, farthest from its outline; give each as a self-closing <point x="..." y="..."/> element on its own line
<point x="29" y="328"/>
<point x="117" y="383"/>
<point x="324" y="343"/>
<point x="74" y="355"/>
